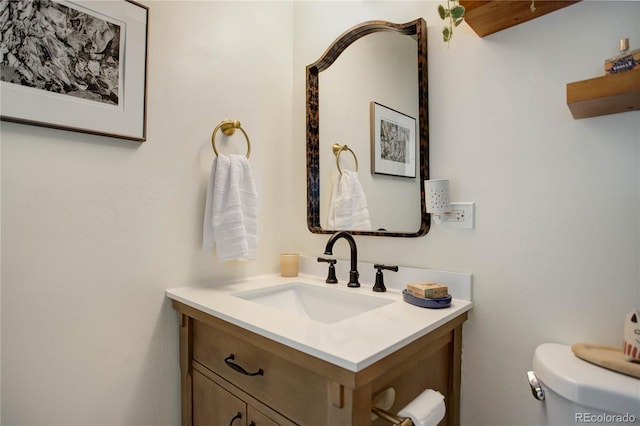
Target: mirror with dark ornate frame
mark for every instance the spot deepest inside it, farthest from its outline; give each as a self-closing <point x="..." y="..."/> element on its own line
<point x="416" y="30"/>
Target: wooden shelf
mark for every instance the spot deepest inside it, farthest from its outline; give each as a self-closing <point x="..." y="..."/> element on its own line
<point x="488" y="17"/>
<point x="608" y="94"/>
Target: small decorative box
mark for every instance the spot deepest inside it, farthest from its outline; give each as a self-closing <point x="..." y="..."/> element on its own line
<point x="428" y="290"/>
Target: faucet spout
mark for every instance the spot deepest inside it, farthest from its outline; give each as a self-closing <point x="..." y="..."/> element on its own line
<point x="353" y="273"/>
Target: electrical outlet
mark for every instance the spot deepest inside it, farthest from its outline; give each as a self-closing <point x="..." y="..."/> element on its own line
<point x="460" y="216"/>
<point x="456" y="215"/>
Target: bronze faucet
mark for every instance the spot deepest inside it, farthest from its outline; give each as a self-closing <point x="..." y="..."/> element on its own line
<point x="353" y="273"/>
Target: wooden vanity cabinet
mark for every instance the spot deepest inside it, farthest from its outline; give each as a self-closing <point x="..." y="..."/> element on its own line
<point x="228" y="373"/>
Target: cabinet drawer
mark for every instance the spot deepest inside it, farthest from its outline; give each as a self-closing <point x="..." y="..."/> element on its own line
<point x="269" y="378"/>
<point x="213" y="405"/>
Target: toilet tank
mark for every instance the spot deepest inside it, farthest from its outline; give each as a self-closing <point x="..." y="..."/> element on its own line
<point x="577" y="391"/>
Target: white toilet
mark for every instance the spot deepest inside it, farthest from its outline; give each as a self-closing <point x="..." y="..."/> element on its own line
<point x="577" y="392"/>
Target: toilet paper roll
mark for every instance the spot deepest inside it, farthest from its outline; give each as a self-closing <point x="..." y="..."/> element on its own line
<point x="427" y="409"/>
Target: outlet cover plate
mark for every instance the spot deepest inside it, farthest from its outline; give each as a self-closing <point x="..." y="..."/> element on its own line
<point x="462" y="215"/>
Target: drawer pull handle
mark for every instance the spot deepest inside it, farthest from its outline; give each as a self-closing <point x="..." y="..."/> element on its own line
<point x="236" y="417"/>
<point x="229" y="361"/>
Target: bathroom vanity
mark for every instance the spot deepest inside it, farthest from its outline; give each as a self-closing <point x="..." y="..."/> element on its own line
<point x="247" y="363"/>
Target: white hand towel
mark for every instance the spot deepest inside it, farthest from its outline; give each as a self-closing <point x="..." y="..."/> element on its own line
<point x="348" y="208"/>
<point x="232" y="210"/>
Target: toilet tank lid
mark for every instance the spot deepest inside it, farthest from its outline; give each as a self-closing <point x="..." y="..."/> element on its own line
<point x="585" y="383"/>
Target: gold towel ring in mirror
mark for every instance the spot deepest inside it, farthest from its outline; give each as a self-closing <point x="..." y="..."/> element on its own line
<point x="337" y="150"/>
<point x="229" y="128"/>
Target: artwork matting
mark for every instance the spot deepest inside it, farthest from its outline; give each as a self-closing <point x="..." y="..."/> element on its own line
<point x="87" y="73"/>
<point x="393" y="142"/>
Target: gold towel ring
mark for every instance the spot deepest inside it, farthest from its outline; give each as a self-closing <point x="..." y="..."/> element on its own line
<point x="337" y="150"/>
<point x="229" y="128"/>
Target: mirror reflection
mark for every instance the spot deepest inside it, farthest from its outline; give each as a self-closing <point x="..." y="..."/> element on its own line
<point x="373" y="100"/>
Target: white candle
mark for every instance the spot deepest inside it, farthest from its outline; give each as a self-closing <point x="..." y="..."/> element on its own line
<point x="289" y="264"/>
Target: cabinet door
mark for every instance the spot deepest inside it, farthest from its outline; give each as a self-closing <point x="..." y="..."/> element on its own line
<point x="256" y="418"/>
<point x="214" y="406"/>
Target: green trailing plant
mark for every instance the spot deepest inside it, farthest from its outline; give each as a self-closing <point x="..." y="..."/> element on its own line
<point x="453" y="15"/>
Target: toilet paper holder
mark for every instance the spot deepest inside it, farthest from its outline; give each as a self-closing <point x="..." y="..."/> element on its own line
<point x="392" y="418"/>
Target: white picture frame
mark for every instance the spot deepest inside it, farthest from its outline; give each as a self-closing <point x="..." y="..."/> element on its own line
<point x="119" y="110"/>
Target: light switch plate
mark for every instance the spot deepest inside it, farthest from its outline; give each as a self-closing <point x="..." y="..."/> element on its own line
<point x="461" y="216"/>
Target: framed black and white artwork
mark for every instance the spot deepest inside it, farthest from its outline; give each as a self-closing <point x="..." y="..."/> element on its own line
<point x="75" y="65"/>
<point x="393" y="142"/>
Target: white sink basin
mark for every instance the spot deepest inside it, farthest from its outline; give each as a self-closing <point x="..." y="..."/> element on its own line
<point x="317" y="303"/>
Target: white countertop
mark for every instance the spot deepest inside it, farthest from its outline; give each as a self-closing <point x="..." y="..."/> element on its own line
<point x="353" y="343"/>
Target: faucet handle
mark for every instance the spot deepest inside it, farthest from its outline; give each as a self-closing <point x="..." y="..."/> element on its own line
<point x="379" y="285"/>
<point x="331" y="278"/>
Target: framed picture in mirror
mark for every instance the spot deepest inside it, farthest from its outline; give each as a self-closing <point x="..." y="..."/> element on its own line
<point x="393" y="142"/>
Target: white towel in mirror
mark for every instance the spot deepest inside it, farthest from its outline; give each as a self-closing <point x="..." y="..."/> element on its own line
<point x="348" y="209"/>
